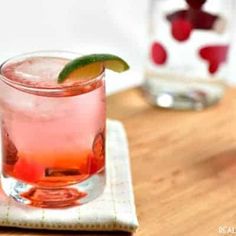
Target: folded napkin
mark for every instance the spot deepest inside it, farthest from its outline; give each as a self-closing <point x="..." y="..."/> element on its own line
<point x="113" y="210"/>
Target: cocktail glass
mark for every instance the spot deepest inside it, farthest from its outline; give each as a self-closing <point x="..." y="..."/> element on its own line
<point x="53" y="135"/>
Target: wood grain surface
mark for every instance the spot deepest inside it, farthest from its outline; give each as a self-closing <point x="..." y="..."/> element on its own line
<point x="183" y="166"/>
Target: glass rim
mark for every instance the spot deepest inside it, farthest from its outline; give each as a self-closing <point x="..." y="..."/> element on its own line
<point x="44" y="89"/>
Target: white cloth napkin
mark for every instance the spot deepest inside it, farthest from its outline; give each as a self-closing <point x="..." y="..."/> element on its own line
<point x="113" y="210"/>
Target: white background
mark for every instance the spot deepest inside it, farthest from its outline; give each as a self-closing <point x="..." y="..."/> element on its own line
<point x="86" y="26"/>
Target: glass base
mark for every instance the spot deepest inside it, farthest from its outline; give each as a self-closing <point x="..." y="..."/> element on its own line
<point x="59" y="197"/>
<point x="179" y="95"/>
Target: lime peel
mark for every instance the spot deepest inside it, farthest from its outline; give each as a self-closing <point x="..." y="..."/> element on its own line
<point x="99" y="61"/>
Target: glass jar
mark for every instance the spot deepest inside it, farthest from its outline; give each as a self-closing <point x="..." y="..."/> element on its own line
<point x="188" y="53"/>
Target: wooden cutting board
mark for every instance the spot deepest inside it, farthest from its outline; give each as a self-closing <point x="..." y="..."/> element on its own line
<point x="183" y="165"/>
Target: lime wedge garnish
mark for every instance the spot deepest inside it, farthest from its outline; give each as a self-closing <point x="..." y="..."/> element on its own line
<point x="87" y="67"/>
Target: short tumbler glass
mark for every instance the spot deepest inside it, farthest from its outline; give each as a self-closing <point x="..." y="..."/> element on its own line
<point x="188" y="53"/>
<point x="53" y="135"/>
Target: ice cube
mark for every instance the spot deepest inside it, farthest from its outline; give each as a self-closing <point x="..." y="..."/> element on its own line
<point x="38" y="71"/>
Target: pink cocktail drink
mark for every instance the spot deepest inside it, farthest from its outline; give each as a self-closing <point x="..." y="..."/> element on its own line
<point x="53" y="135"/>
